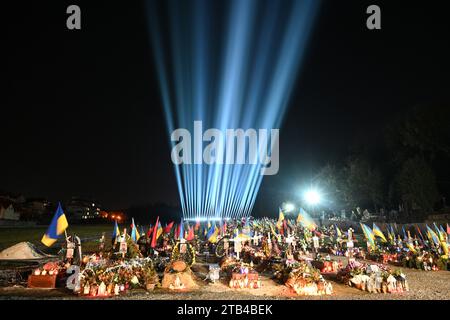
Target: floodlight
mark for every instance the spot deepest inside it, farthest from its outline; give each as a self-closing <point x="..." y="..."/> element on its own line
<point x="312" y="197"/>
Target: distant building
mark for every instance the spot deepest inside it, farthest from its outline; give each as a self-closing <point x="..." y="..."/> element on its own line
<point x="35" y="209"/>
<point x="7" y="211"/>
<point x="83" y="209"/>
<point x="14" y="198"/>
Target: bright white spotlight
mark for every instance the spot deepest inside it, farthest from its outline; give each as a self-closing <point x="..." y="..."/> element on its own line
<point x="312" y="197"/>
<point x="288" y="207"/>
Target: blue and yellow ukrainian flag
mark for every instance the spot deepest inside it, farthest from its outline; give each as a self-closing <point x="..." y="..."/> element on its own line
<point x="116" y="231"/>
<point x="377" y="231"/>
<point x="338" y="231"/>
<point x="368" y="234"/>
<point x="159" y="231"/>
<point x="212" y="234"/>
<point x="305" y="220"/>
<point x="134" y="231"/>
<point x="411" y="247"/>
<point x="58" y="225"/>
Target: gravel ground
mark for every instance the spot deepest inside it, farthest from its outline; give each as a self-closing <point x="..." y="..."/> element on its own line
<point x="434" y="285"/>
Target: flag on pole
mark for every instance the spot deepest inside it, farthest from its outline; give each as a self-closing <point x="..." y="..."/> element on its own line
<point x="404" y="233"/>
<point x="168" y="227"/>
<point x="390" y="235"/>
<point x="150" y="230"/>
<point x="134" y="231"/>
<point x="190" y="236"/>
<point x="181" y="231"/>
<point x="154" y="233"/>
<point x="420" y="234"/>
<point x="176" y="232"/>
<point x="273" y="231"/>
<point x="280" y="219"/>
<point x="368" y="234"/>
<point x="377" y="231"/>
<point x="116" y="232"/>
<point x="212" y="234"/>
<point x="299" y="218"/>
<point x="392" y="230"/>
<point x="411" y="247"/>
<point x="57" y="226"/>
<point x="159" y="231"/>
<point x="338" y="231"/>
<point x="432" y="236"/>
<point x="224" y="228"/>
<point x="305" y="220"/>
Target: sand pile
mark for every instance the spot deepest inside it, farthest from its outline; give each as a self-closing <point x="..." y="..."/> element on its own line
<point x="22" y="250"/>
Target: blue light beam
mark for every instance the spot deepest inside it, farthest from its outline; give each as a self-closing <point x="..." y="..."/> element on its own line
<point x="230" y="65"/>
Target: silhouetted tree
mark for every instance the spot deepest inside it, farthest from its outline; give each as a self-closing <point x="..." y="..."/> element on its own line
<point x="416" y="187"/>
<point x="364" y="184"/>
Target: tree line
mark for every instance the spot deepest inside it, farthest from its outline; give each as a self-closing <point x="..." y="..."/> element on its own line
<point x="405" y="168"/>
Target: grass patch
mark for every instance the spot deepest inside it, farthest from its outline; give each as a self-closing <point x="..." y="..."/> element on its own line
<point x="91" y="234"/>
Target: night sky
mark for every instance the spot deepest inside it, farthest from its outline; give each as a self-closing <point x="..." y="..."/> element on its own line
<point x="83" y="113"/>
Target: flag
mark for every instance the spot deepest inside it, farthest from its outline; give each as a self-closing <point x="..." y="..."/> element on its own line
<point x="58" y="225"/>
<point x="420" y="234"/>
<point x="306" y="220"/>
<point x="154" y="233"/>
<point x="116" y="231"/>
<point x="242" y="237"/>
<point x="299" y="218"/>
<point x="134" y="231"/>
<point x="190" y="236"/>
<point x="377" y="231"/>
<point x="392" y="231"/>
<point x="368" y="234"/>
<point x="390" y="235"/>
<point x="338" y="231"/>
<point x="197" y="225"/>
<point x="181" y="230"/>
<point x="176" y="232"/>
<point x="280" y="219"/>
<point x="212" y="234"/>
<point x="224" y="228"/>
<point x="438" y="232"/>
<point x="432" y="236"/>
<point x="404" y="233"/>
<point x="150" y="230"/>
<point x="273" y="231"/>
<point x="168" y="227"/>
<point x="411" y="247"/>
<point x="159" y="231"/>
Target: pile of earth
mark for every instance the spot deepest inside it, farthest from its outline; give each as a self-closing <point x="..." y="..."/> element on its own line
<point x="22" y="251"/>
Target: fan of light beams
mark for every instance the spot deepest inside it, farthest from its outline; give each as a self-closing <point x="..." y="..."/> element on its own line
<point x="231" y="65"/>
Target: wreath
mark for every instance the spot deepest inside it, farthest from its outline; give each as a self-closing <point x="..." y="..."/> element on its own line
<point x="188" y="256"/>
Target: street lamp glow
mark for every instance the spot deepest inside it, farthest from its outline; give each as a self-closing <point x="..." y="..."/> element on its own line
<point x="288" y="207"/>
<point x="312" y="197"/>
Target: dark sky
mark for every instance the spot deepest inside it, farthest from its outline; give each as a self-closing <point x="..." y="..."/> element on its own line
<point x="83" y="113"/>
